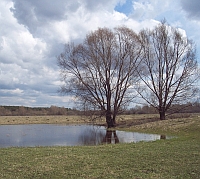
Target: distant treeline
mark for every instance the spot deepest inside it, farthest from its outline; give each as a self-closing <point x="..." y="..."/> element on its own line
<point x="35" y="111"/>
<point x="54" y="110"/>
<point x="184" y="108"/>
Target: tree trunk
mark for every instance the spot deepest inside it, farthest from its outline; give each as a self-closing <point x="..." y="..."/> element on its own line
<point x="114" y="119"/>
<point x="109" y="119"/>
<point x="162" y="115"/>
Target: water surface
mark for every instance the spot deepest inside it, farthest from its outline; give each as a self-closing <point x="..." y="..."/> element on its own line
<point x="66" y="135"/>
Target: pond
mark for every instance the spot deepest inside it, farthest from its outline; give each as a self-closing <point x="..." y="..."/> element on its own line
<point x="66" y="135"/>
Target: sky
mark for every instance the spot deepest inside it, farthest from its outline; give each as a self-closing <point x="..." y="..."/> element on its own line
<point x="33" y="34"/>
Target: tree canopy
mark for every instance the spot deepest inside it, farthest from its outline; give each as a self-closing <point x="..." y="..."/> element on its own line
<point x="169" y="68"/>
<point x="110" y="66"/>
<point x="101" y="71"/>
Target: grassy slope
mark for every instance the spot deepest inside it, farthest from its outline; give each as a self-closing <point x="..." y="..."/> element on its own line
<point x="175" y="158"/>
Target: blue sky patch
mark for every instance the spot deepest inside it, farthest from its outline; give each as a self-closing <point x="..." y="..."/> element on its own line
<point x="125" y="8"/>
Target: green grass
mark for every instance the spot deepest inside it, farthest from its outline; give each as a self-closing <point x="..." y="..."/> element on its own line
<point x="175" y="158"/>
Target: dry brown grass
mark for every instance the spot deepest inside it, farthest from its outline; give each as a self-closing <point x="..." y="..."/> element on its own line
<point x="126" y="120"/>
<point x="42" y="120"/>
<point x="136" y="119"/>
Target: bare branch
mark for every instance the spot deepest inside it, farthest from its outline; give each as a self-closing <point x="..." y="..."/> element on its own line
<point x="169" y="68"/>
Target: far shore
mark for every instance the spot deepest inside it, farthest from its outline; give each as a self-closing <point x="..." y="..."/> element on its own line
<point x="75" y="119"/>
<point x="57" y="119"/>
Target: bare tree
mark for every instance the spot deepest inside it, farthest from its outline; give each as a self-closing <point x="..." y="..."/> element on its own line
<point x="102" y="70"/>
<point x="169" y="70"/>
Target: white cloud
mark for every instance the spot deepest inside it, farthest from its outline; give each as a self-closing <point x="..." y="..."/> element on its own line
<point x="32" y="34"/>
<point x="150" y="9"/>
<point x="16" y="91"/>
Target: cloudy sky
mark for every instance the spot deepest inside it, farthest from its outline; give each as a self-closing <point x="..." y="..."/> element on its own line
<point x="33" y="33"/>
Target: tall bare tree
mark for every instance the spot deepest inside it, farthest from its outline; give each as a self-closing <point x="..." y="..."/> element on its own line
<point x="101" y="70"/>
<point x="169" y="70"/>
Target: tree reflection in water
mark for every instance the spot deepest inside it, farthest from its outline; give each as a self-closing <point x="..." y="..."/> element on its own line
<point x="111" y="137"/>
<point x="163" y="137"/>
<point x="95" y="137"/>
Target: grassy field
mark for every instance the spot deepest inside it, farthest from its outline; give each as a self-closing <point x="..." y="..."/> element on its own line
<point x="165" y="159"/>
<point x="42" y="119"/>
